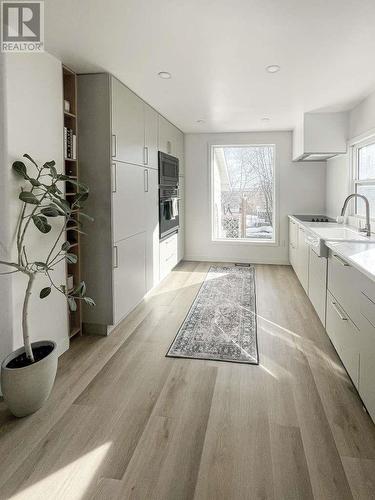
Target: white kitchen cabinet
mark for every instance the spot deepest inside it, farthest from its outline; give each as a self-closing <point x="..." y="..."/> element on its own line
<point x="179" y="149"/>
<point x="166" y="135"/>
<point x="344" y="282"/>
<point x="118" y="159"/>
<point x="171" y="141"/>
<point x="318" y="284"/>
<point x="128" y="128"/>
<point x="181" y="231"/>
<point x="128" y="202"/>
<point x="168" y="255"/>
<point x="293" y="242"/>
<point x="151" y="203"/>
<point x="129" y="277"/>
<point x="151" y="137"/>
<point x="302" y="259"/>
<point x="345" y="336"/>
<point x="367" y="366"/>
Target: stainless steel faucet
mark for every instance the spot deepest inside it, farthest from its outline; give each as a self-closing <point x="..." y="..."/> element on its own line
<point x="367" y="228"/>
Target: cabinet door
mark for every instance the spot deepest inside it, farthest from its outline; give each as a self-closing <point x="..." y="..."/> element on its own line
<point x="344" y="335"/>
<point x="151" y="137"/>
<point x="303" y="259"/>
<point x="293" y="241"/>
<point x="367" y="367"/>
<point x="181" y="232"/>
<point x="178" y="144"/>
<point x="129" y="277"/>
<point x="152" y="228"/>
<point x="166" y="137"/>
<point x="128" y="217"/>
<point x="318" y="284"/>
<point x="171" y="141"/>
<point x="127" y="124"/>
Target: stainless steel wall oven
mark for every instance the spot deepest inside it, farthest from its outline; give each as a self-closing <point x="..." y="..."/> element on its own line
<point x="168" y="195"/>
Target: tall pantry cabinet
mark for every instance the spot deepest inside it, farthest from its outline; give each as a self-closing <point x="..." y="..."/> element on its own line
<point x="118" y="148"/>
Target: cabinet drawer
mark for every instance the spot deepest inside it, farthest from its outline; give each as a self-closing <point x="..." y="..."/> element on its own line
<point x="168" y="247"/>
<point x="168" y="255"/>
<point x="344" y="336"/>
<point x="344" y="283"/>
<point x="367" y="307"/>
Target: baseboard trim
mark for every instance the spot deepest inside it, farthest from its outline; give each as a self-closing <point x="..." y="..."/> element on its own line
<point x="62" y="346"/>
<point x="205" y="258"/>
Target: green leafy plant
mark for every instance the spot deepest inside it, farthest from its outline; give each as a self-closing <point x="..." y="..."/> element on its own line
<point x="43" y="201"/>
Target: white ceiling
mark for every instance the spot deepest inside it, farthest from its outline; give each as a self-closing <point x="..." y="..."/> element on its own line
<point x="217" y="51"/>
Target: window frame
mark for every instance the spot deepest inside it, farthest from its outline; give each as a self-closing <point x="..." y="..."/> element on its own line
<point x="243" y="241"/>
<point x="355" y="181"/>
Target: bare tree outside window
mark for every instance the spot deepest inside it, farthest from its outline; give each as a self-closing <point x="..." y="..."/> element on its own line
<point x="243" y="192"/>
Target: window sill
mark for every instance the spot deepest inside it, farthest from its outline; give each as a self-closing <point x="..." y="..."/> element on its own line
<point x="243" y="241"/>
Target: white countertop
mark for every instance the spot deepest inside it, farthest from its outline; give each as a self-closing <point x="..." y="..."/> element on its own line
<point x="360" y="255"/>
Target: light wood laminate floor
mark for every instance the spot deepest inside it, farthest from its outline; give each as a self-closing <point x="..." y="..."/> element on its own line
<point x="125" y="422"/>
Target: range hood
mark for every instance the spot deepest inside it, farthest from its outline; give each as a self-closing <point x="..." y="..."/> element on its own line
<point x="320" y="136"/>
<point x="316" y="156"/>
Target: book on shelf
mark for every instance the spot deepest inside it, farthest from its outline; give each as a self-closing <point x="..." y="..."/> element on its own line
<point x="74" y="146"/>
<point x="65" y="141"/>
<point x="70" y="144"/>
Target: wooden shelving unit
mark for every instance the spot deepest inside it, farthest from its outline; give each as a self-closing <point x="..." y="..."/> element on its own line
<point x="72" y="169"/>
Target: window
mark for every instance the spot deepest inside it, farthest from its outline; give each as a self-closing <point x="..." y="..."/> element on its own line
<point x="243" y="201"/>
<point x="364" y="175"/>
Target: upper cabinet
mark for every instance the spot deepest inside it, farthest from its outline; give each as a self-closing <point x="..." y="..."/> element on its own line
<point x="320" y="136"/>
<point x="150" y="158"/>
<point x="128" y="130"/>
<point x="171" y="141"/>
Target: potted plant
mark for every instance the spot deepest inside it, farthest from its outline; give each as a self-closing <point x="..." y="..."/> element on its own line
<point x="28" y="374"/>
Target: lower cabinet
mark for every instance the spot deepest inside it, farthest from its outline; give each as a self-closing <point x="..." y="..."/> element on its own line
<point x="302" y="259"/>
<point x="152" y="228"/>
<point x="129" y="276"/>
<point x="168" y="255"/>
<point x="293" y="242"/>
<point x="181" y="232"/>
<point x="299" y="253"/>
<point x="367" y="366"/>
<point x="318" y="284"/>
<point x="345" y="283"/>
<point x="345" y="336"/>
<point x="344" y="299"/>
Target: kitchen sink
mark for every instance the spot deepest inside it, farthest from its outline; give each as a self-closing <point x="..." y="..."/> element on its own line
<point x="317" y="237"/>
<point x="340" y="234"/>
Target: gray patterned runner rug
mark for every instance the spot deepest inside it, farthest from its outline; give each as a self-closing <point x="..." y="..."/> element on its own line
<point x="221" y="324"/>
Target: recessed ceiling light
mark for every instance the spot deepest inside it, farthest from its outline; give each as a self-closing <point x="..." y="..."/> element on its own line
<point x="273" y="68"/>
<point x="265" y="119"/>
<point x="165" y="75"/>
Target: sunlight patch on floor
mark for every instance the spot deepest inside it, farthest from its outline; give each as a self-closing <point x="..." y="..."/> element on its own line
<point x="72" y="480"/>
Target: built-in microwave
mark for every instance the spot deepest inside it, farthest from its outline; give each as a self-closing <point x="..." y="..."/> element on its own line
<point x="168" y="170"/>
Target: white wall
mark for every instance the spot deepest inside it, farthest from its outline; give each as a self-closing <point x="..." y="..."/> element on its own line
<point x="337" y="184"/>
<point x="301" y="189"/>
<point x="362" y="117"/>
<point x="6" y="342"/>
<point x="34" y="121"/>
<point x="361" y="121"/>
